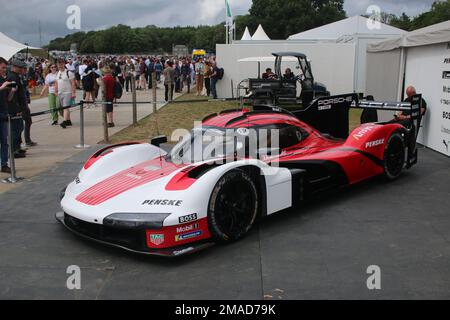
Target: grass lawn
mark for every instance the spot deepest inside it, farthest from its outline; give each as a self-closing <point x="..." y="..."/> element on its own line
<point x="182" y="116"/>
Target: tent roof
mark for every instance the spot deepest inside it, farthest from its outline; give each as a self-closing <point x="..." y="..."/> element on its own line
<point x="246" y="35"/>
<point x="349" y="26"/>
<point x="436" y="33"/>
<point x="266" y="59"/>
<point x="9" y="47"/>
<point x="260" y="34"/>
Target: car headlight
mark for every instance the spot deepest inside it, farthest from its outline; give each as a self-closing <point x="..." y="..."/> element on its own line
<point x="135" y="220"/>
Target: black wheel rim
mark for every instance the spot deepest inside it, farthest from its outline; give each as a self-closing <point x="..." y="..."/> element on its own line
<point x="235" y="208"/>
<point x="395" y="156"/>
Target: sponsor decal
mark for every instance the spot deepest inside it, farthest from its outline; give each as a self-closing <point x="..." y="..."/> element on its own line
<point x="178" y="252"/>
<point x="446" y="60"/>
<point x="446" y="89"/>
<point x="188" y="218"/>
<point x="445" y="74"/>
<point x="374" y="143"/>
<point x="77" y="180"/>
<point x="186" y="236"/>
<point x="188" y="228"/>
<point x="445" y="102"/>
<point x="327" y="103"/>
<point x="446" y="115"/>
<point x="163" y="202"/>
<point x="362" y="132"/>
<point x="445" y="130"/>
<point x="328" y="107"/>
<point x="157" y="239"/>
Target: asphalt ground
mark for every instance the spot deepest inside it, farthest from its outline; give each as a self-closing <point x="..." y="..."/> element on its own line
<point x="321" y="251"/>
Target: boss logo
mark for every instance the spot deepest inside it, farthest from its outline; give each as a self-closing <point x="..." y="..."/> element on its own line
<point x="446" y="115"/>
<point x="188" y="218"/>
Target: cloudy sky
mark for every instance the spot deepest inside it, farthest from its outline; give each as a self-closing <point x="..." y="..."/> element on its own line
<point x="20" y="18"/>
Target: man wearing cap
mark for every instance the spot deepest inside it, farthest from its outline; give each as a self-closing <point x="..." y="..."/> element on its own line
<point x="5" y="94"/>
<point x="65" y="88"/>
<point x="17" y="105"/>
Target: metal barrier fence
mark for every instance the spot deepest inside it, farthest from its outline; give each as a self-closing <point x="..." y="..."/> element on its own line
<point x="154" y="102"/>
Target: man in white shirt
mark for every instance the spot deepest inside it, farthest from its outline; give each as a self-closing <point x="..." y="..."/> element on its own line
<point x="65" y="88"/>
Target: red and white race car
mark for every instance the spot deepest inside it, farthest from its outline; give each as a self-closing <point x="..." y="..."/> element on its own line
<point x="211" y="187"/>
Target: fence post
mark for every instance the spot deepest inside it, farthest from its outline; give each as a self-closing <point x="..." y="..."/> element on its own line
<point x="105" y="124"/>
<point x="170" y="84"/>
<point x="82" y="145"/>
<point x="133" y="92"/>
<point x="13" y="179"/>
<point x="154" y="84"/>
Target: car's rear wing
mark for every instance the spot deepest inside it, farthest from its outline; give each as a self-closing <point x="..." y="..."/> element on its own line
<point x="331" y="114"/>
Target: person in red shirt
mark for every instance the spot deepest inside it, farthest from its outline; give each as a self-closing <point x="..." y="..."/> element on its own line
<point x="109" y="82"/>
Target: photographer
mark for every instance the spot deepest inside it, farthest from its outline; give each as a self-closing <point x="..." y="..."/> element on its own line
<point x="17" y="105"/>
<point x="5" y="87"/>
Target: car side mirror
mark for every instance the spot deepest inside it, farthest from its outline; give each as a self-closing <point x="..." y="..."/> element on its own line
<point x="157" y="141"/>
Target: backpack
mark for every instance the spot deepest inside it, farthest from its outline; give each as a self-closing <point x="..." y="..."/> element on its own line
<point x="118" y="90"/>
<point x="220" y="73"/>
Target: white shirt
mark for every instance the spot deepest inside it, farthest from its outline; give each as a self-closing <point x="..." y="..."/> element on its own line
<point x="50" y="80"/>
<point x="81" y="70"/>
<point x="64" y="82"/>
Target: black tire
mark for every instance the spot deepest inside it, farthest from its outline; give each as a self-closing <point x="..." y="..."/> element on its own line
<point x="394" y="156"/>
<point x="233" y="206"/>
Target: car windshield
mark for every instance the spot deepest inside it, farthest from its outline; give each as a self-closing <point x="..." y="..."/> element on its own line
<point x="205" y="144"/>
<point x="209" y="143"/>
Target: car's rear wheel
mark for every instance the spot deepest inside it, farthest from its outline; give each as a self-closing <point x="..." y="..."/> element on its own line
<point x="233" y="206"/>
<point x="394" y="156"/>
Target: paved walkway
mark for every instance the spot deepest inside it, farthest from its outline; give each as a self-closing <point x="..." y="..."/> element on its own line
<point x="319" y="251"/>
<point x="56" y="144"/>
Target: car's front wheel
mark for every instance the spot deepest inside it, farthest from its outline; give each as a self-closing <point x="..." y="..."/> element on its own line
<point x="394" y="156"/>
<point x="233" y="206"/>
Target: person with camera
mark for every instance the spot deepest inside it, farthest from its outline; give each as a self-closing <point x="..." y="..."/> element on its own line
<point x="17" y="105"/>
<point x="5" y="94"/>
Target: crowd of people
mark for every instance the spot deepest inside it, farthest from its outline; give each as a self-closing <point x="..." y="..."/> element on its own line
<point x="100" y="78"/>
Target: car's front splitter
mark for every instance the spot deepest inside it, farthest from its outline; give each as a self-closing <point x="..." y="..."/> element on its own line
<point x="166" y="252"/>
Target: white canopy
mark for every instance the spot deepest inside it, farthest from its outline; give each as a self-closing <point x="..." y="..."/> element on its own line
<point x="436" y="33"/>
<point x="260" y="34"/>
<point x="9" y="47"/>
<point x="350" y="26"/>
<point x="267" y="59"/>
<point x="246" y="36"/>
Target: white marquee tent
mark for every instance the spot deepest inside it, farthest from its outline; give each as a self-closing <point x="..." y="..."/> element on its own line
<point x="420" y="58"/>
<point x="246" y="36"/>
<point x="9" y="47"/>
<point x="260" y="34"/>
<point x="358" y="30"/>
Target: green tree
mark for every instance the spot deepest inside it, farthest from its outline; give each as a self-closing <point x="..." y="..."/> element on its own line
<point x="282" y="18"/>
